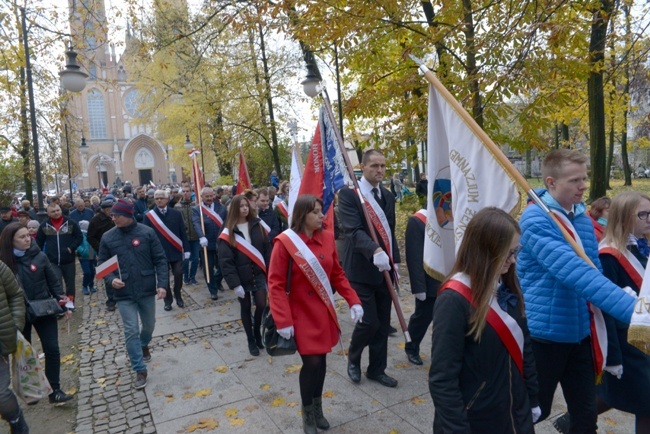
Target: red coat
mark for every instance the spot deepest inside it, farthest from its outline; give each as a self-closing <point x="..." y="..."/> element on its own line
<point x="315" y="330"/>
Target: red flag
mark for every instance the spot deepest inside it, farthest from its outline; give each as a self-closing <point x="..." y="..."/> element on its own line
<point x="106" y="268"/>
<point x="244" y="181"/>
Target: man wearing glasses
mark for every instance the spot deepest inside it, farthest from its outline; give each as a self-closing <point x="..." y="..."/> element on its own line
<point x="169" y="226"/>
<point x="140" y="278"/>
<point x="563" y="293"/>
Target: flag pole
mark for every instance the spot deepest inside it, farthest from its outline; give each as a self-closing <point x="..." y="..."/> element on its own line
<point x="496" y="152"/>
<point x="296" y="151"/>
<point x="371" y="228"/>
<point x="195" y="166"/>
<point x="248" y="177"/>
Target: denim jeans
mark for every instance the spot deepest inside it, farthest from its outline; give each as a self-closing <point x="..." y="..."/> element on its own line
<point x="136" y="338"/>
<point x="9" y="408"/>
<point x="88" y="268"/>
<point x="48" y="333"/>
<point x="191" y="265"/>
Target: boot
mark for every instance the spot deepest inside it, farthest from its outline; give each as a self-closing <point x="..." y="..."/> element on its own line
<point x="252" y="347"/>
<point x="258" y="339"/>
<point x="308" y="420"/>
<point x="321" y="422"/>
<point x="19" y="425"/>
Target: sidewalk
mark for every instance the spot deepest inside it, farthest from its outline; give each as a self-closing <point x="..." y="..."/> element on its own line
<point x="202" y="379"/>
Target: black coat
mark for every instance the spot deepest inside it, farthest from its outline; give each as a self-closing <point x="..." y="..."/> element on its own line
<point x="272" y="220"/>
<point x="237" y="268"/>
<point x="476" y="387"/>
<point x="142" y="261"/>
<point x="174" y="222"/>
<point x="414" y="244"/>
<point x="98" y="226"/>
<point x="359" y="248"/>
<point x="60" y="246"/>
<point x="212" y="231"/>
<point x="37" y="276"/>
<point x="632" y="392"/>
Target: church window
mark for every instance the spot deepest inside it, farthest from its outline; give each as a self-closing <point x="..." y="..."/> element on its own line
<point x="96" y="114"/>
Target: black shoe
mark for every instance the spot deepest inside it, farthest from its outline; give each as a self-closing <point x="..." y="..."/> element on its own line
<point x="140" y="380"/>
<point x="110" y="307"/>
<point x="220" y="288"/>
<point x="146" y="354"/>
<point x="214" y="297"/>
<point x="59" y="396"/>
<point x="252" y="348"/>
<point x="562" y="424"/>
<point x="180" y="303"/>
<point x="18" y="424"/>
<point x="383" y="379"/>
<point x="414" y="358"/>
<point x="354" y="372"/>
<point x="258" y="340"/>
<point x="391" y="330"/>
<point x="168" y="307"/>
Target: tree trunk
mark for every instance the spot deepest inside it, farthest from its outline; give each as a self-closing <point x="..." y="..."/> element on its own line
<point x="472" y="69"/>
<point x="626" y="97"/>
<point x="529" y="158"/>
<point x="595" y="92"/>
<point x="25" y="147"/>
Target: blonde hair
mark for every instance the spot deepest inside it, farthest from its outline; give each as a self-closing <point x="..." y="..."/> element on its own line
<point x="555" y="161"/>
<point x="622" y="214"/>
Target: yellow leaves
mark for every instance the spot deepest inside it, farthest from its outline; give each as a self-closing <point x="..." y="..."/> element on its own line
<point x="393" y="431"/>
<point x="206" y="424"/>
<point x="222" y="369"/>
<point x="236" y="422"/>
<point x="68" y="360"/>
<point x="402" y="365"/>
<point x="172" y="338"/>
<point x="169" y="399"/>
<point x="101" y="382"/>
<point x="71" y="391"/>
<point x="416" y="400"/>
<point x="181" y="315"/>
<point x="610" y="422"/>
<point x="401" y="345"/>
<point x="203" y="392"/>
<point x="188" y="395"/>
<point x="90" y="350"/>
<point x="328" y="394"/>
<point x="231" y="412"/>
<point x="292" y="404"/>
<point x="293" y="369"/>
<point x="277" y="402"/>
<point x="100" y="322"/>
<point x="265" y="386"/>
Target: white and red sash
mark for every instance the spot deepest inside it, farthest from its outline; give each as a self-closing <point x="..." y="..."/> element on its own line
<point x="283" y="209"/>
<point x="312" y="269"/>
<point x="246" y="248"/>
<point x="164" y="230"/>
<point x="627" y="260"/>
<point x="266" y="227"/>
<point x="212" y="215"/>
<point x="506" y="327"/>
<point x="380" y="223"/>
<point x="421" y="215"/>
<point x="597" y="323"/>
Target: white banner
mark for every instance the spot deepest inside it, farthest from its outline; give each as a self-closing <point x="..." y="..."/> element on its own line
<point x="463" y="178"/>
<point x="294" y="180"/>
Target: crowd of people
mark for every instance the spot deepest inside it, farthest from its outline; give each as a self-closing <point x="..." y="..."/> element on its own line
<point x="522" y="310"/>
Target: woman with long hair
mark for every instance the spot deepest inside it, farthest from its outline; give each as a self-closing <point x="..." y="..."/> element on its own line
<point x="39" y="280"/>
<point x="244" y="252"/>
<point x="308" y="310"/>
<point x="483" y="377"/>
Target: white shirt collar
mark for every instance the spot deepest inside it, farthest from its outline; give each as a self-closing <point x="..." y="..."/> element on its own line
<point x="366" y="187"/>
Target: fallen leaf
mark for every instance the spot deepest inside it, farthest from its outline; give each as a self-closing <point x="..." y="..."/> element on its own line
<point x="277" y="402"/>
<point x="393" y="431"/>
<point x="231" y="412"/>
<point x="100" y="322"/>
<point x="402" y="365"/>
<point x="610" y="422"/>
<point x="188" y="395"/>
<point x="270" y="360"/>
<point x="293" y="369"/>
<point x="251" y="408"/>
<point x="222" y="369"/>
<point x="69" y="359"/>
<point x="172" y="338"/>
<point x="191" y="428"/>
<point x="208" y="424"/>
<point x="90" y="350"/>
<point x="328" y="394"/>
<point x="265" y="386"/>
<point x="203" y="392"/>
<point x="169" y="399"/>
<point x="416" y="400"/>
<point x="292" y="404"/>
<point x="93" y="304"/>
<point x="158" y="394"/>
<point x="71" y="391"/>
<point x="401" y="345"/>
<point x="236" y="422"/>
<point x="101" y="382"/>
<point x="181" y="315"/>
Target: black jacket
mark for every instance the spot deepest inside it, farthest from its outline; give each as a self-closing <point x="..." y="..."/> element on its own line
<point x="60" y="246"/>
<point x="421" y="189"/>
<point x="142" y="261"/>
<point x="37" y="276"/>
<point x="237" y="268"/>
<point x="140" y="207"/>
<point x="98" y="226"/>
<point x="476" y="387"/>
<point x="359" y="248"/>
<point x="174" y="222"/>
<point x="414" y="244"/>
<point x="270" y="219"/>
<point x="212" y="231"/>
<point x="5" y="223"/>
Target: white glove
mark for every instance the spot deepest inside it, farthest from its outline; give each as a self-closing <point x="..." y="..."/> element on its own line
<point x="381" y="261"/>
<point x="239" y="291"/>
<point x="420" y="296"/>
<point x="537" y="412"/>
<point x="286" y="332"/>
<point x="631" y="292"/>
<point x="356" y="313"/>
<point x="616" y="371"/>
<point x="203" y="241"/>
<point x="187" y="255"/>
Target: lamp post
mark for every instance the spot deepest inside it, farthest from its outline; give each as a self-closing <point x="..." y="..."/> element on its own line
<point x="201" y="146"/>
<point x="311" y="85"/>
<point x="67" y="148"/>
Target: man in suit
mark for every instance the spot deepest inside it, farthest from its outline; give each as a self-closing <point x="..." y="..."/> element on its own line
<point x="364" y="262"/>
<point x="170" y="229"/>
<point x="214" y="215"/>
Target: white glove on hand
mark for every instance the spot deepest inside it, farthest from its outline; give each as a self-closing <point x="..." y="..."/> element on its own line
<point x="537" y="412"/>
<point x="631" y="292"/>
<point x="420" y="296"/>
<point x="187" y="255"/>
<point x="239" y="291"/>
<point x="286" y="332"/>
<point x="616" y="371"/>
<point x="203" y="241"/>
<point x="356" y="313"/>
<point x="381" y="261"/>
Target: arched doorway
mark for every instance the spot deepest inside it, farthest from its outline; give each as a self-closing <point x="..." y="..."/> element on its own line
<point x="144" y="164"/>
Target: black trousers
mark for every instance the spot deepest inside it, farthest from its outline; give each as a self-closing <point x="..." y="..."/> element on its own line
<point x="67" y="272"/>
<point x="372" y="331"/>
<point x="48" y="333"/>
<point x="176" y="268"/>
<point x="213" y="269"/>
<point x="572" y="366"/>
<point x="419" y="324"/>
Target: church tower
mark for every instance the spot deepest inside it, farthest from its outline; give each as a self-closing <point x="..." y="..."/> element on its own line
<point x="120" y="145"/>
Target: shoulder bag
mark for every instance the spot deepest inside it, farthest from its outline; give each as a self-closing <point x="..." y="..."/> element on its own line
<point x="275" y="344"/>
<point x="37" y="309"/>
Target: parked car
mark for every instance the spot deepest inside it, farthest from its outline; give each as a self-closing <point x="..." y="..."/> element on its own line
<point x="642" y="172"/>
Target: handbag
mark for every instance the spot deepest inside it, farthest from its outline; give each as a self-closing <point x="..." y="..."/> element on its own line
<point x="45" y="308"/>
<point x="275" y="344"/>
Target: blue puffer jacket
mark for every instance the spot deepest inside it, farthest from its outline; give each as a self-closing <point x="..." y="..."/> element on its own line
<point x="557" y="283"/>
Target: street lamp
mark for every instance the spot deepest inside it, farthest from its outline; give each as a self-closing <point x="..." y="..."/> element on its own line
<point x="72" y="77"/>
<point x="311" y="85"/>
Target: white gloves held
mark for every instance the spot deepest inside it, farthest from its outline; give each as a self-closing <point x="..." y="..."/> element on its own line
<point x="203" y="241"/>
<point x="286" y="332"/>
<point x="239" y="292"/>
<point x="381" y="261"/>
<point x="187" y="255"/>
<point x="356" y="313"/>
<point x="616" y="370"/>
<point x="420" y="296"/>
<point x="631" y="292"/>
<point x="537" y="412"/>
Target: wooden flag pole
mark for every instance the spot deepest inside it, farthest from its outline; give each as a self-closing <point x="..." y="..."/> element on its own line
<point x="371" y="227"/>
<point x="196" y="186"/>
<point x="497" y="153"/>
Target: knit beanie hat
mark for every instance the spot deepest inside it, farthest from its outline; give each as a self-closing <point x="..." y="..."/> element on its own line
<point x="123" y="207"/>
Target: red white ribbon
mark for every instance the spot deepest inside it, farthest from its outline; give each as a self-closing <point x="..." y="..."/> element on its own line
<point x="283" y="209"/>
<point x="164" y="230"/>
<point x="245" y="247"/>
<point x="266" y="227"/>
<point x="212" y="215"/>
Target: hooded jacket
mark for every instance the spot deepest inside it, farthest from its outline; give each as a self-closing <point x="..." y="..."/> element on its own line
<point x="59" y="246"/>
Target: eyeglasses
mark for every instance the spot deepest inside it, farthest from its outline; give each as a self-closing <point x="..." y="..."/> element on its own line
<point x="513" y="253"/>
<point x="159" y="198"/>
<point x="643" y="215"/>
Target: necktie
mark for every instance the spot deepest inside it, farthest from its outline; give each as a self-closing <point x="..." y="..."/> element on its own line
<point x="571" y="215"/>
<point x="375" y="193"/>
<point x="163" y="211"/>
